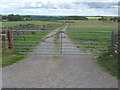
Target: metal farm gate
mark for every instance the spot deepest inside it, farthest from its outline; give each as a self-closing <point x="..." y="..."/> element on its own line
<point x="60" y="42"/>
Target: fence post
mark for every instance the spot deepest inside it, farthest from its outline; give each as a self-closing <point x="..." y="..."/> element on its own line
<point x="10" y="46"/>
<point x="61" y="41"/>
<point x="112" y="43"/>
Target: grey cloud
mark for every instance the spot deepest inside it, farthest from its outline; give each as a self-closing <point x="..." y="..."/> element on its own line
<point x="88" y="7"/>
<point x="99" y="4"/>
<point x="74" y="5"/>
<point x="63" y="5"/>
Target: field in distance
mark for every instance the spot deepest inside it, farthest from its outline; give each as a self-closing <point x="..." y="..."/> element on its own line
<point x="12" y="23"/>
<point x="93" y="18"/>
<point x="92" y="26"/>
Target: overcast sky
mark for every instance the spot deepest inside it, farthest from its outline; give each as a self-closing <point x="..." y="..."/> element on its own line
<point x="60" y="7"/>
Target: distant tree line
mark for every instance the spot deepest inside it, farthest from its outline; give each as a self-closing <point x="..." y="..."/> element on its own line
<point x="115" y="19"/>
<point x="17" y="17"/>
<point x="59" y="18"/>
<point x="0" y="17"/>
<point x="44" y="17"/>
<point x="73" y="18"/>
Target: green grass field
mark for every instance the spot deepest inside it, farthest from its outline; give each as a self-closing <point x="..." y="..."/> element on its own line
<point x="93" y="18"/>
<point x="110" y="64"/>
<point x="12" y="23"/>
<point x="92" y="26"/>
<point x="13" y="55"/>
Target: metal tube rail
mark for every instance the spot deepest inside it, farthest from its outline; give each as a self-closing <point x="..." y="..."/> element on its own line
<point x="60" y="54"/>
<point x="49" y="48"/>
<point x="91" y="31"/>
<point x="50" y="51"/>
<point x="34" y="31"/>
<point x="65" y="31"/>
<point x="77" y="48"/>
<point x="60" y="45"/>
<point x="55" y="36"/>
<point x="69" y="42"/>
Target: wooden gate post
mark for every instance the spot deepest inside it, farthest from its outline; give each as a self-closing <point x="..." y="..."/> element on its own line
<point x="10" y="45"/>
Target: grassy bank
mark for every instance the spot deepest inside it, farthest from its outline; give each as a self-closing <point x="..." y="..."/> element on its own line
<point x="109" y="63"/>
<point x="0" y="56"/>
<point x="12" y="56"/>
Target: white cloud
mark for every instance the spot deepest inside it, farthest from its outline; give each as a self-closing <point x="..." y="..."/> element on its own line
<point x="55" y="7"/>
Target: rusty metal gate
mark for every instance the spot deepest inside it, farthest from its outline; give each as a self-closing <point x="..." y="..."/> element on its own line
<point x="60" y="42"/>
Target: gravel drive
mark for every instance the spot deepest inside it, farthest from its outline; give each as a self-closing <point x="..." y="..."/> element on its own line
<point x="57" y="71"/>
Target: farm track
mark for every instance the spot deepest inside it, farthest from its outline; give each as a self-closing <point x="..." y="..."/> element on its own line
<point x="57" y="71"/>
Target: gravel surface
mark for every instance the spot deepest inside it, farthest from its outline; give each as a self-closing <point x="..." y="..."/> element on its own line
<point x="57" y="71"/>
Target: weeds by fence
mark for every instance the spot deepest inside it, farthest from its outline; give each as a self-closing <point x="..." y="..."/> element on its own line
<point x="114" y="49"/>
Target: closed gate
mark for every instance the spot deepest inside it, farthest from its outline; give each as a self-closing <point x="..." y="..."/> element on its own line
<point x="61" y="42"/>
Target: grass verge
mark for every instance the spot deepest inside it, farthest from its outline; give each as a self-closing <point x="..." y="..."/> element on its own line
<point x="109" y="63"/>
<point x="10" y="57"/>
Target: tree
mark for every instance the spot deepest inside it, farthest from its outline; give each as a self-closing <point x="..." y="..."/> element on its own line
<point x="115" y="19"/>
<point x="74" y="18"/>
<point x="0" y="17"/>
<point x="12" y="17"/>
<point x="27" y="18"/>
<point x="103" y="19"/>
